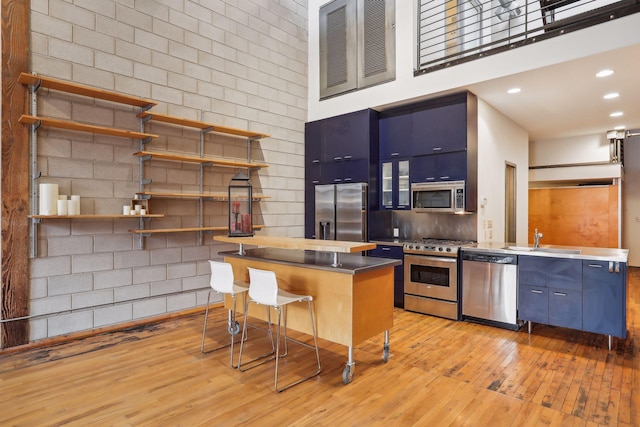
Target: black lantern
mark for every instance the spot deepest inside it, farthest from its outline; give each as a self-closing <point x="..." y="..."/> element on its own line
<point x="240" y="216"/>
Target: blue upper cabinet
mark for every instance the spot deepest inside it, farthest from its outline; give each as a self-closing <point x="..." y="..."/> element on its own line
<point x="346" y="148"/>
<point x="439" y="129"/>
<point x="440" y="167"/>
<point x="396" y="136"/>
<point x="313" y="132"/>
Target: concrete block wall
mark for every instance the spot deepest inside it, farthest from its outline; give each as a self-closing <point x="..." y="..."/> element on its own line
<point x="239" y="64"/>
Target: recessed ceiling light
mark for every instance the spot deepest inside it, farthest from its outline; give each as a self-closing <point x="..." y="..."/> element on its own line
<point x="514" y="90"/>
<point x="616" y="114"/>
<point x="604" y="73"/>
<point x="611" y="95"/>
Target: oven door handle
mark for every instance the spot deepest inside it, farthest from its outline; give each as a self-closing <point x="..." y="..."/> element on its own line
<point x="421" y="258"/>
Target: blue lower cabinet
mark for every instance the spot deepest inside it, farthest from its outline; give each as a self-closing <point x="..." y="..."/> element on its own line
<point x="565" y="308"/>
<point x="533" y="303"/>
<point x="394" y="252"/>
<point x="588" y="295"/>
<point x="604" y="298"/>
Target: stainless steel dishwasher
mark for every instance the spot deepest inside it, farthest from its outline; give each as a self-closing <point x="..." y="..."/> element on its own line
<point x="490" y="289"/>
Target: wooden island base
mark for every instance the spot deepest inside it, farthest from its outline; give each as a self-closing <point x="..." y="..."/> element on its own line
<point x="350" y="306"/>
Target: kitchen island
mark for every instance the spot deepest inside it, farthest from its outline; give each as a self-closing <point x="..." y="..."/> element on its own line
<point x="582" y="288"/>
<point x="353" y="298"/>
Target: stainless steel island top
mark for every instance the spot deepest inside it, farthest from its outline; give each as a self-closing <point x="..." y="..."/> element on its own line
<point x="349" y="263"/>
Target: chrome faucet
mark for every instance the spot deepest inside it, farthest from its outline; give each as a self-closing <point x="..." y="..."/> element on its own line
<point x="536" y="239"/>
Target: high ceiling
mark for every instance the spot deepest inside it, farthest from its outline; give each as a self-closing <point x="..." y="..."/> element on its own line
<point x="566" y="99"/>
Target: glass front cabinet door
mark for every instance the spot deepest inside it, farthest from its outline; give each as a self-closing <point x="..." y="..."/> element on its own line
<point x="395" y="192"/>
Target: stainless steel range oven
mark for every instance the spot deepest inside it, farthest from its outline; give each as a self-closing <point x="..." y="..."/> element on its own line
<point x="431" y="284"/>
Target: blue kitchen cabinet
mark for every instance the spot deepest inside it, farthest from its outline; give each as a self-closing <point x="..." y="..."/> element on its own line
<point x="588" y="295"/>
<point x="314" y="139"/>
<point x="552" y="282"/>
<point x="314" y="135"/>
<point x="395" y="252"/>
<point x="396" y="135"/>
<point x="338" y="150"/>
<point x="346" y="148"/>
<point x="533" y="303"/>
<point x="565" y="308"/>
<point x="439" y="129"/>
<point x="439" y="167"/>
<point x="604" y="297"/>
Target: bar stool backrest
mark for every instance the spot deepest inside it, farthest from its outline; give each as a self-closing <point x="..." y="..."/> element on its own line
<point x="263" y="286"/>
<point x="221" y="277"/>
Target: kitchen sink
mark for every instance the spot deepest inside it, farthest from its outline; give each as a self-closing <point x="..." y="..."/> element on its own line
<point x="547" y="250"/>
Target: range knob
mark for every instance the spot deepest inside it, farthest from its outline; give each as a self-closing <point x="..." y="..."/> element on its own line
<point x="448" y="249"/>
<point x="440" y="248"/>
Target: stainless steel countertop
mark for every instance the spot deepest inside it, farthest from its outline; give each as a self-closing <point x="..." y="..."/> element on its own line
<point x="349" y="263"/>
<point x="554" y="251"/>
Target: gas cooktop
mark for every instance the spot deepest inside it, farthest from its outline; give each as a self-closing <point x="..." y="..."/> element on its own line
<point x="430" y="246"/>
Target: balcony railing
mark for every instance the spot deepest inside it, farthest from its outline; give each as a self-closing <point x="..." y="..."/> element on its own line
<point x="455" y="31"/>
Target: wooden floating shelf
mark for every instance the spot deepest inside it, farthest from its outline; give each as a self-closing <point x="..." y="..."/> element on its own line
<point x="200" y="125"/>
<point x="65" y="86"/>
<point x="182" y="230"/>
<point x="81" y="127"/>
<point x="215" y="196"/>
<point x="94" y="216"/>
<point x="195" y="159"/>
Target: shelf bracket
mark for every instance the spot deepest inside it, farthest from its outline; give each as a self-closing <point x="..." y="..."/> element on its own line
<point x="36" y="86"/>
<point x="208" y="129"/>
<point x="146" y="140"/>
<point x="35" y="173"/>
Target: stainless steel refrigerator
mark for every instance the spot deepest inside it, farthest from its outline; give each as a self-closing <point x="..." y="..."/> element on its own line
<point x="341" y="212"/>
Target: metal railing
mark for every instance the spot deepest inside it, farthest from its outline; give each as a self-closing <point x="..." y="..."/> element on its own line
<point x="455" y="31"/>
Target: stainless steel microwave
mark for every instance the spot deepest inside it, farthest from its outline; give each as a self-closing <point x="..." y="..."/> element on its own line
<point x="445" y="196"/>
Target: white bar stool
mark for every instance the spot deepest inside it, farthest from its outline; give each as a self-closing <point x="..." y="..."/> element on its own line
<point x="263" y="290"/>
<point x="222" y="281"/>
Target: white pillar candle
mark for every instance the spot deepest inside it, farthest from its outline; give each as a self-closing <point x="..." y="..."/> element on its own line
<point x="48" y="199"/>
<point x="75" y="200"/>
<point x="73" y="207"/>
<point x="126" y="210"/>
<point x="62" y="206"/>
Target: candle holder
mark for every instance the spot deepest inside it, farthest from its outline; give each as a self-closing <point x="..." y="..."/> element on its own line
<point x="240" y="212"/>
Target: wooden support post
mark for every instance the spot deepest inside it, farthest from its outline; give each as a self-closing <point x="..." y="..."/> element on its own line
<point x="14" y="288"/>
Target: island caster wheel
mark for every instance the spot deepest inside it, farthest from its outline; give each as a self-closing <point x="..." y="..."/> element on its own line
<point x="347" y="375"/>
<point x="385" y="353"/>
<point x="234" y="330"/>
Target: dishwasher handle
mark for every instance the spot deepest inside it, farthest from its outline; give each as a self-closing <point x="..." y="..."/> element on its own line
<point x="490" y="258"/>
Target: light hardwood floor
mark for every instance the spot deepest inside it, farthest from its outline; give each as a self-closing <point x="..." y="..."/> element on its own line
<point x="440" y="373"/>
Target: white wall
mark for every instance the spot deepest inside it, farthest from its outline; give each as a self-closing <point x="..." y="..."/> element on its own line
<point x="500" y="141"/>
<point x="569" y="151"/>
<point x="406" y="87"/>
